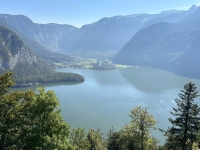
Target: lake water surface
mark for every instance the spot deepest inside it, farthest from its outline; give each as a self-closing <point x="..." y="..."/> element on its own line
<point x="106" y="97"/>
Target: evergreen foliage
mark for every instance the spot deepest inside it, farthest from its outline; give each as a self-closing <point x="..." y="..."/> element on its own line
<point x="185" y="130"/>
<point x="114" y="140"/>
<point x="40" y="73"/>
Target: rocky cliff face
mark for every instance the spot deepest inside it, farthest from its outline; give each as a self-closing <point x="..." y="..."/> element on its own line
<point x="13" y="50"/>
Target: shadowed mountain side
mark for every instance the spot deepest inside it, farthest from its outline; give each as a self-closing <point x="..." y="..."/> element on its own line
<point x="166" y="46"/>
<point x="145" y="49"/>
<point x="188" y="63"/>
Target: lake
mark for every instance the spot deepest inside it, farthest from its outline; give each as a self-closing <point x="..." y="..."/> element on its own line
<point x="106" y="97"/>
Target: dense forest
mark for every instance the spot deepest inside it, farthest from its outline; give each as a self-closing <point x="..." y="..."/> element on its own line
<point x="40" y="73"/>
<point x="32" y="121"/>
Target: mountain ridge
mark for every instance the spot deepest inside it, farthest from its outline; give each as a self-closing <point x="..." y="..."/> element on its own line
<point x="106" y="35"/>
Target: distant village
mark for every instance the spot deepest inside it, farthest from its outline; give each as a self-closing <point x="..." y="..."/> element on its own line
<point x="96" y="64"/>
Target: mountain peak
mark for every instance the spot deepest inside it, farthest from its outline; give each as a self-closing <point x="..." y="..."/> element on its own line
<point x="193" y="7"/>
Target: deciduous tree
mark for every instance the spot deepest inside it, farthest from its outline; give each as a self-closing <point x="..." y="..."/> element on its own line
<point x="141" y="124"/>
<point x="30" y="120"/>
<point x="95" y="140"/>
<point x="78" y="138"/>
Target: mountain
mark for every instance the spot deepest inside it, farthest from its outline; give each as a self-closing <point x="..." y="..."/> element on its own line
<point x="39" y="50"/>
<point x="47" y="35"/>
<point x="147" y="48"/>
<point x="15" y="56"/>
<point x="169" y="46"/>
<point x="106" y="36"/>
<point x="111" y="34"/>
<point x="195" y="9"/>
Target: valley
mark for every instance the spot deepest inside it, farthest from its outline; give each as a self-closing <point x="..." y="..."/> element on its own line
<point x="130" y="40"/>
<point x="68" y="81"/>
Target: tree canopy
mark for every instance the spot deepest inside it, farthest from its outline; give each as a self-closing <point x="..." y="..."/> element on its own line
<point x="30" y="120"/>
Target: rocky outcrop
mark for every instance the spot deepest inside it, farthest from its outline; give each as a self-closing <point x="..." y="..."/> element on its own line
<point x="13" y="50"/>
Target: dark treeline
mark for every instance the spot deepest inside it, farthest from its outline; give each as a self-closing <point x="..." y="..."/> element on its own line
<point x="31" y="121"/>
<point x="40" y="73"/>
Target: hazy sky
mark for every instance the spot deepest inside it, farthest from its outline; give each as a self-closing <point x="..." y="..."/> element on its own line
<point x="80" y="12"/>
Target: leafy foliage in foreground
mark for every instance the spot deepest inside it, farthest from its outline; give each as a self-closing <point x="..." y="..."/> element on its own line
<point x="30" y="120"/>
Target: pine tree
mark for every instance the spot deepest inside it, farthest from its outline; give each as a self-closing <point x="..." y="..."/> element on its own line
<point x="113" y="142"/>
<point x="184" y="131"/>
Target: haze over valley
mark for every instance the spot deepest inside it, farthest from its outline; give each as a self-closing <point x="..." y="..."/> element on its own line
<point x="104" y="74"/>
<point x="129" y="40"/>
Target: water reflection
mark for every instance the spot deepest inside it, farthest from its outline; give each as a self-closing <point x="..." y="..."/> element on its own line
<point x="34" y="88"/>
<point x="153" y="80"/>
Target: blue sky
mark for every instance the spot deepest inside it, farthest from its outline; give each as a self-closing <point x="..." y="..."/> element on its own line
<point x="80" y="12"/>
